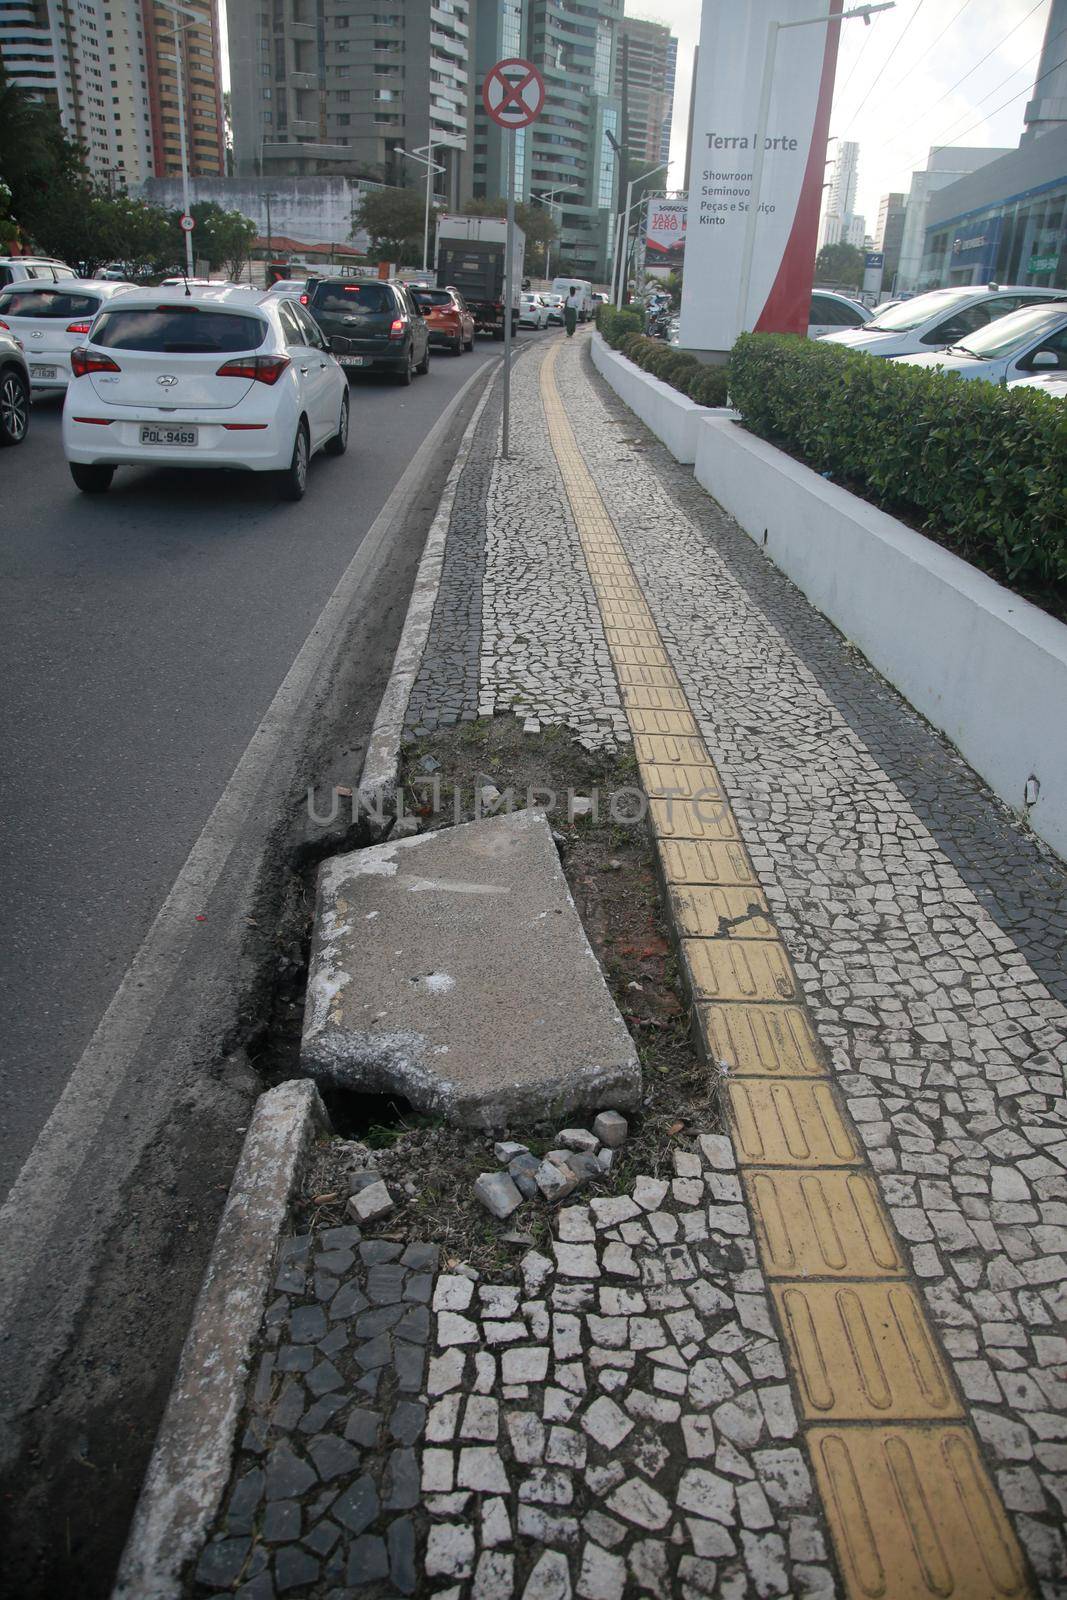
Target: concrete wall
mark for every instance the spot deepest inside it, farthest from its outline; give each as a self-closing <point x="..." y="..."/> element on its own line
<point x="313" y="210"/>
<point x="672" y="417"/>
<point x="985" y="667"/>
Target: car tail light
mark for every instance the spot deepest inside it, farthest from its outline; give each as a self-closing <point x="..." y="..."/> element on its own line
<point x="244" y="427"/>
<point x="303" y="299"/>
<point x="4" y="325"/>
<point x="100" y="422"/>
<point x="258" y="369"/>
<point x="77" y="327"/>
<point x="83" y="361"/>
<point x="397" y="330"/>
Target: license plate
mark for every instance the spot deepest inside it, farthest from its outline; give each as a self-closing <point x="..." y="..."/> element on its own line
<point x="354" y="361"/>
<point x="42" y="372"/>
<point x="183" y="436"/>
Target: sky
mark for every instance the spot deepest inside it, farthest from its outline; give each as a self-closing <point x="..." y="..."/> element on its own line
<point x="898" y="81"/>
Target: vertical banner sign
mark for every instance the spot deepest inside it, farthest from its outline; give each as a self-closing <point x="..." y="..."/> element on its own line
<point x="734" y="50"/>
<point x="513" y="94"/>
<point x="665" y="233"/>
<point x="873" y="267"/>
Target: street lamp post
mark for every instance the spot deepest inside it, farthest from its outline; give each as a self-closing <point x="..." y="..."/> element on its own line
<point x="183" y="144"/>
<point x="424" y="155"/>
<point x="773" y="30"/>
<point x="267" y="198"/>
<point x="546" y="196"/>
<point x="625" y="250"/>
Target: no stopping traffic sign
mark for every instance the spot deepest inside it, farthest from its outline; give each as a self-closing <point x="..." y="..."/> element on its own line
<point x="513" y="93"/>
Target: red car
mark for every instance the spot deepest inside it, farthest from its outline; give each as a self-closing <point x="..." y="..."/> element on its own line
<point x="447" y="318"/>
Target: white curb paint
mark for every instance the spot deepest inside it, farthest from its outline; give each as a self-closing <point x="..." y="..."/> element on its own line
<point x="985" y="667"/>
<point x="193" y="1454"/>
<point x="377" y="784"/>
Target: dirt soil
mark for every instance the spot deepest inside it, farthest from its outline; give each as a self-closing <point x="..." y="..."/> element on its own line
<point x="610" y="867"/>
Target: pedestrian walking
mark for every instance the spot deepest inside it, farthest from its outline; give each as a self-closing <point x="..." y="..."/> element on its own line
<point x="570" y="311"/>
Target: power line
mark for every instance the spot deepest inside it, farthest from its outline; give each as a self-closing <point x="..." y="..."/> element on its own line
<point x="985" y="58"/>
<point x="901" y="36"/>
<point x="929" y="49"/>
<point x="936" y="143"/>
<point x="1008" y="101"/>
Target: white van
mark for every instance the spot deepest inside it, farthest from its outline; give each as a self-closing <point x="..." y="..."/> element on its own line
<point x="586" y="303"/>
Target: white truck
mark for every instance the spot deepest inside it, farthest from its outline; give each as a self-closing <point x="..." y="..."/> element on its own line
<point x="584" y="289"/>
<point x="470" y="258"/>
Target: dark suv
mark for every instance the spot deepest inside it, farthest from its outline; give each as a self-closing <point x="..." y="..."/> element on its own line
<point x="372" y="326"/>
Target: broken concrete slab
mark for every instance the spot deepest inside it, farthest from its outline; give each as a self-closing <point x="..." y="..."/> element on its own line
<point x="453" y="969"/>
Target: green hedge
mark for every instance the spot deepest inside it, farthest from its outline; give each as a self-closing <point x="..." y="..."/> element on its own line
<point x="623" y="330"/>
<point x="982" y="469"/>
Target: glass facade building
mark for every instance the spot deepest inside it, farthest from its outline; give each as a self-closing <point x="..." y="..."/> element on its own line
<point x="1006" y="223"/>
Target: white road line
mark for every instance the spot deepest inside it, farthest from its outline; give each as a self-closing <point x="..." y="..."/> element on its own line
<point x="38" y="1194"/>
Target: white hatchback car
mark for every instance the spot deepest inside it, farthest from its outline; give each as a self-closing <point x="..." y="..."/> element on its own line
<point x="52" y="320"/>
<point x="1033" y="340"/>
<point x="830" y="312"/>
<point x="220" y="377"/>
<point x="533" y="313"/>
<point x="935" y="320"/>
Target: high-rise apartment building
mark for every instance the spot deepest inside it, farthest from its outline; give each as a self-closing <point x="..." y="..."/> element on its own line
<point x="340" y="86"/>
<point x="837" y="219"/>
<point x="108" y="67"/>
<point x="567" y="154"/>
<point x="1048" y="108"/>
<point x="889" y="233"/>
<point x="645" y="65"/>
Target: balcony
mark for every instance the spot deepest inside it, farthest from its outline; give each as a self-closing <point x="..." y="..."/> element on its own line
<point x="302" y="80"/>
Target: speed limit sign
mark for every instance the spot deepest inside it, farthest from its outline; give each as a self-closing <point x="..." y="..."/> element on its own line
<point x="188" y="223"/>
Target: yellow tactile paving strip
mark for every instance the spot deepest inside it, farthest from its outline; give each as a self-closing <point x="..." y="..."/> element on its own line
<point x="910" y="1504"/>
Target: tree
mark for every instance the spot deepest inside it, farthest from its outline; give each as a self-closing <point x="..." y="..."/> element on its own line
<point x="840" y="263"/>
<point x="536" y="222"/>
<point x="221" y="238"/>
<point x="394" y="218"/>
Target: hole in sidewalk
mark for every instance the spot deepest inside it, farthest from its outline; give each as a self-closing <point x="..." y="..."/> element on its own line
<point x="610" y="867"/>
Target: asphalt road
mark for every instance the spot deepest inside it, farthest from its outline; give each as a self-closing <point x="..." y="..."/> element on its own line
<point x="164" y="707"/>
<point x="142" y="636"/>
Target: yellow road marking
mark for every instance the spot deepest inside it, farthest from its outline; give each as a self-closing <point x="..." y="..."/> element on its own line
<point x="821" y="1224"/>
<point x="911" y="1507"/>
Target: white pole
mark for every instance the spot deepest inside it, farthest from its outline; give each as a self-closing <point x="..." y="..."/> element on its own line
<point x="426" y="218"/>
<point x="509" y="263"/>
<point x="615" y="258"/>
<point x="625" y="241"/>
<point x="748" y="249"/>
<point x="184" y="148"/>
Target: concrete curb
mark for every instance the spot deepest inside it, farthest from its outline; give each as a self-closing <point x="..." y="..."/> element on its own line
<point x="192" y="1457"/>
<point x="377" y="784"/>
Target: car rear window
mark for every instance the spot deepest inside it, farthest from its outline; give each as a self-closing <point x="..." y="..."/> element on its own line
<point x="431" y="297"/>
<point x="179" y="330"/>
<point x="48" y="303"/>
<point x="368" y="297"/>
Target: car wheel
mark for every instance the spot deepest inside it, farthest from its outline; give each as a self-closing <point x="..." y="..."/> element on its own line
<point x="470" y="343"/>
<point x="92" y="480"/>
<point x="14" y="407"/>
<point x="405" y="377"/>
<point x="458" y="347"/>
<point x="424" y="364"/>
<point x="294" y="481"/>
<point x="339" y="443"/>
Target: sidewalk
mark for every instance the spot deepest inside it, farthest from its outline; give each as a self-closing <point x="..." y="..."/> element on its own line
<point x="825" y="1355"/>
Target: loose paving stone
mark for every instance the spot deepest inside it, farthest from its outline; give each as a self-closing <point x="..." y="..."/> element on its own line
<point x="497" y="1193"/>
<point x="492" y="931"/>
<point x="611" y="1129"/>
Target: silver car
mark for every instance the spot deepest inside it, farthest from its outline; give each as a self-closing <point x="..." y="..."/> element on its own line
<point x="52" y="319"/>
<point x="14" y="391"/>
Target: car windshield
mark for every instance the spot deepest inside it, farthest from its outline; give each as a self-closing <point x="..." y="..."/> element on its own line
<point x="1008" y="333"/>
<point x="47" y="303"/>
<point x="427" y="298"/>
<point x="912" y="313"/>
<point x="178" y="330"/>
<point x="366" y="298"/>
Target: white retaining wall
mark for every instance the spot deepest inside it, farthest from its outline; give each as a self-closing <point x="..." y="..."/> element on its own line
<point x="985" y="667"/>
<point x="672" y="416"/>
